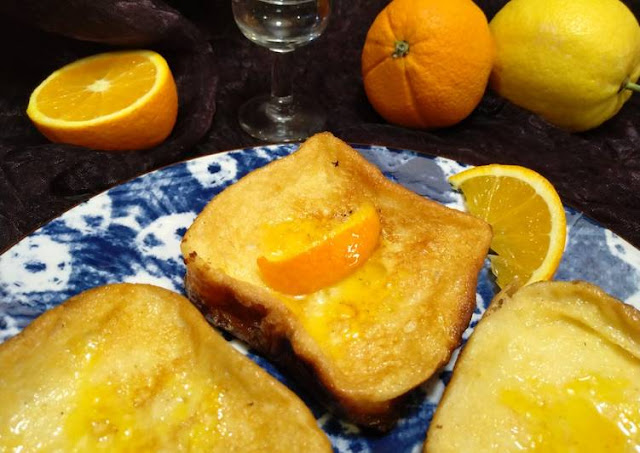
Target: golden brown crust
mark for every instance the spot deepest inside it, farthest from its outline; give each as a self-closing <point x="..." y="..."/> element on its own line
<point x="429" y="257"/>
<point x="247" y="323"/>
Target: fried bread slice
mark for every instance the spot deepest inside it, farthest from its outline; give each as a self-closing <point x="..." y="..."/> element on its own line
<point x="129" y="367"/>
<point x="553" y="367"/>
<point x="365" y="341"/>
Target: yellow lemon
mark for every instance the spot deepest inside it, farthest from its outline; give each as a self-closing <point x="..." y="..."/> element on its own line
<point x="572" y="62"/>
<point x="526" y="215"/>
<point x="111" y="101"/>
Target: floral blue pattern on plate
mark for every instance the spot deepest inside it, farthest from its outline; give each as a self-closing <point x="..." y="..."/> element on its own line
<point x="132" y="233"/>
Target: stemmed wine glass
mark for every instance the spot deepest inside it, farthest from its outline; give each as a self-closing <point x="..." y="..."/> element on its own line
<point x="281" y="26"/>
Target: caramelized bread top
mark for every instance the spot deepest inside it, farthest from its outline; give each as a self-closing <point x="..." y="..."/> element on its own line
<point x="137" y="368"/>
<point x="554" y="367"/>
<point x="380" y="331"/>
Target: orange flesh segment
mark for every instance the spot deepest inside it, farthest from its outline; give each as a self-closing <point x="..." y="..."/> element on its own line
<point x="100" y="87"/>
<point x="325" y="259"/>
<point x="526" y="216"/>
<point x="520" y="224"/>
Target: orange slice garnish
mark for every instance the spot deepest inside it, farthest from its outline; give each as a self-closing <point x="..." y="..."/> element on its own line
<point x="526" y="215"/>
<point x="309" y="257"/>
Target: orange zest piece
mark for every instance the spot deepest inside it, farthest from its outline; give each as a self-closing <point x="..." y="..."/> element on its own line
<point x="113" y="101"/>
<point x="324" y="260"/>
<point x="527" y="218"/>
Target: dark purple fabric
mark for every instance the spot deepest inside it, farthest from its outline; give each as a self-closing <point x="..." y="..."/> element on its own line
<point x="216" y="69"/>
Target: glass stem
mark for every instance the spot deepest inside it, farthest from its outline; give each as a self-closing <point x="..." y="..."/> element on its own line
<point x="281" y="104"/>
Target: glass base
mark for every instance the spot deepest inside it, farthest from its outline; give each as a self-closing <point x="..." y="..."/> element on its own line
<point x="281" y="119"/>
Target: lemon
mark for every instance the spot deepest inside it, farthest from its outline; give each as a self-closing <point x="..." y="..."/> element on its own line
<point x="527" y="218"/>
<point x="111" y="101"/>
<point x="573" y="62"/>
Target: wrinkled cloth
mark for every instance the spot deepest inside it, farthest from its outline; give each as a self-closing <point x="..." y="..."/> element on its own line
<point x="38" y="179"/>
<point x="216" y="68"/>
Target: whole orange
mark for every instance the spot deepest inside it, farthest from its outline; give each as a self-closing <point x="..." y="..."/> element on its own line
<point x="426" y="63"/>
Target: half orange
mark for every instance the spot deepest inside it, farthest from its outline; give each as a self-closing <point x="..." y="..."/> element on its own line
<point x="111" y="101"/>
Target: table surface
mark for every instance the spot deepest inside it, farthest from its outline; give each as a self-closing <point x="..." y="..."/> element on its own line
<point x="216" y="68"/>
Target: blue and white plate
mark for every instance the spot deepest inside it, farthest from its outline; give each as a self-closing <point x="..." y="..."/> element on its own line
<point x="132" y="233"/>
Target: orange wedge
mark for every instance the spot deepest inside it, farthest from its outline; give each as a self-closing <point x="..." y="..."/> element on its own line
<point x="307" y="258"/>
<point x="527" y="217"/>
<point x="110" y="101"/>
